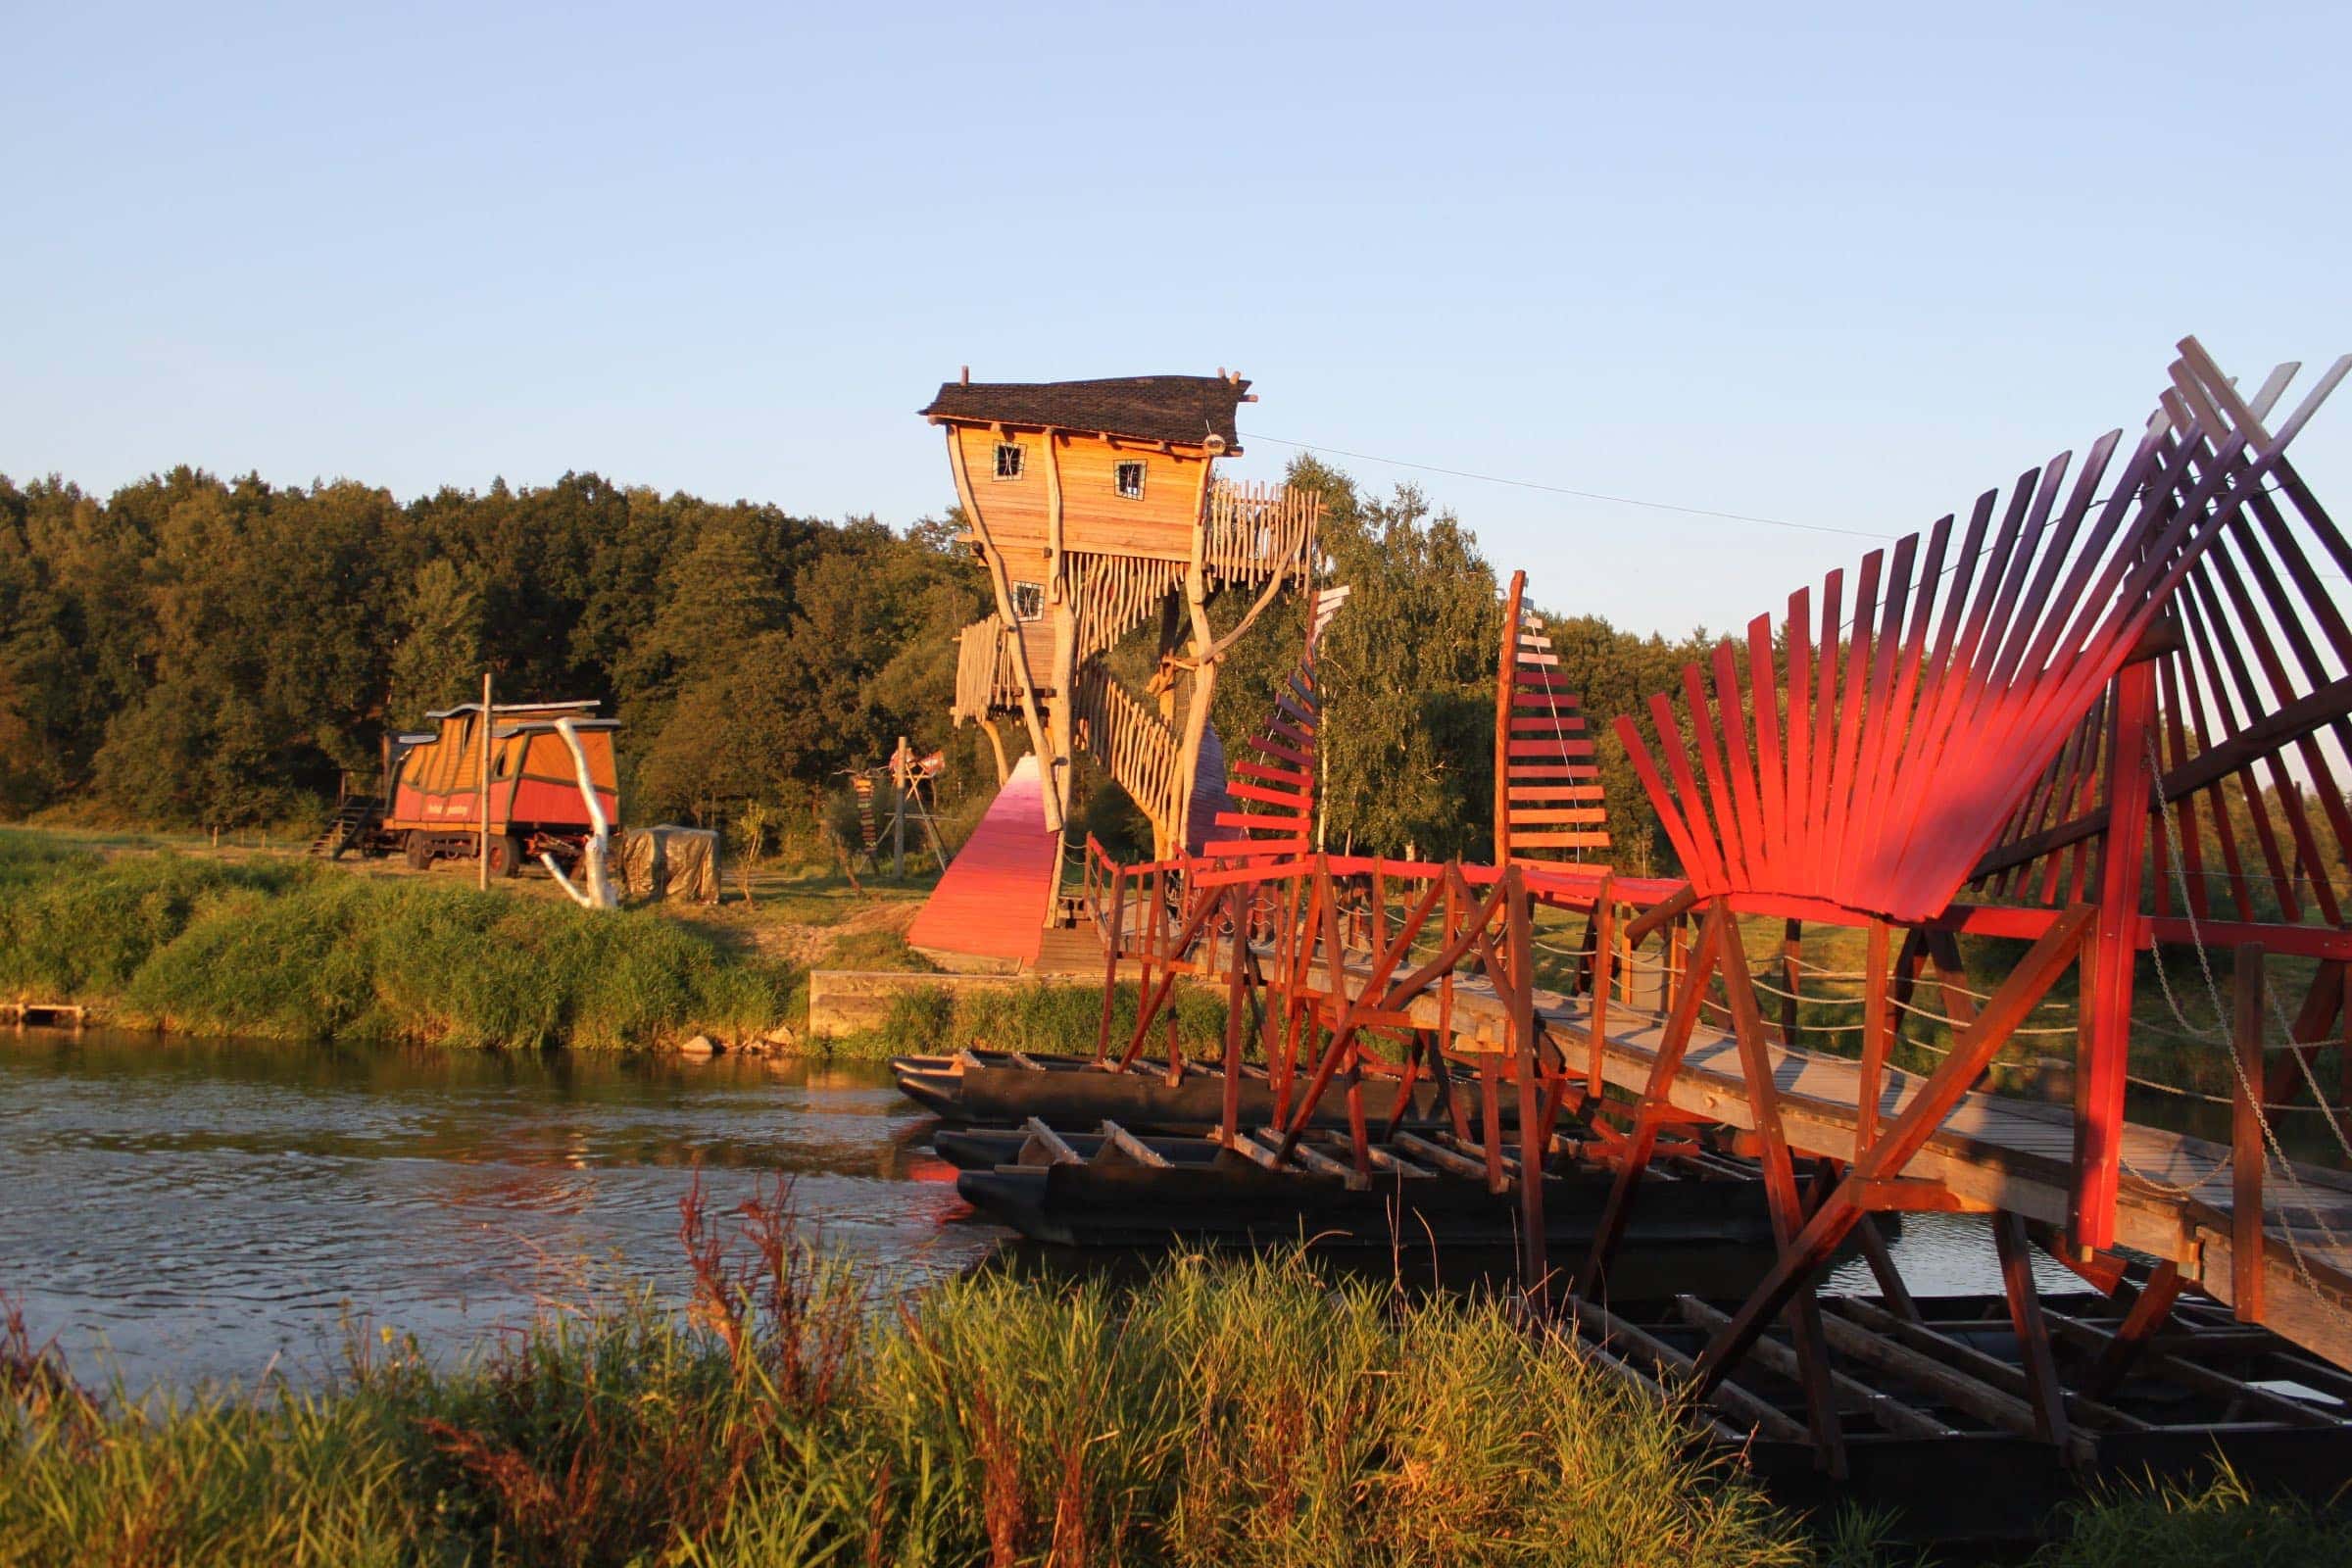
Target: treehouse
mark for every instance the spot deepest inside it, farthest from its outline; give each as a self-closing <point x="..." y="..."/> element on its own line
<point x="1096" y="510"/>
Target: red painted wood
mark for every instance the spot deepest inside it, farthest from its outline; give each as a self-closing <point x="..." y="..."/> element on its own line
<point x="995" y="897"/>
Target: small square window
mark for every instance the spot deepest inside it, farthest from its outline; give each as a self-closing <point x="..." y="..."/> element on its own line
<point x="1028" y="601"/>
<point x="1129" y="477"/>
<point x="1009" y="460"/>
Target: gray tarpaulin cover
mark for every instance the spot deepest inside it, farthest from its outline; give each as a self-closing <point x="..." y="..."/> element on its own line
<point x="671" y="863"/>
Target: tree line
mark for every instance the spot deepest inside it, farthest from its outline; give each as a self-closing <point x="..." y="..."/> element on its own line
<point x="194" y="652"/>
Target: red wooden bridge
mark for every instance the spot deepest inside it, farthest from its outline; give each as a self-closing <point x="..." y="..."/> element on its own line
<point x="2102" y="719"/>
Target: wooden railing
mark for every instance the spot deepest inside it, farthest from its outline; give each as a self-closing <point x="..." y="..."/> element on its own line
<point x="1130" y="741"/>
<point x="1257" y="530"/>
<point x="986" y="682"/>
<point x="1118" y="594"/>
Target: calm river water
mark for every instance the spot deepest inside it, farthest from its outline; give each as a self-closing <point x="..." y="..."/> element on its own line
<point x="180" y="1211"/>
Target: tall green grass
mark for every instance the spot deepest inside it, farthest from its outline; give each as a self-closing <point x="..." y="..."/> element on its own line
<point x="296" y="951"/>
<point x="1225" y="1412"/>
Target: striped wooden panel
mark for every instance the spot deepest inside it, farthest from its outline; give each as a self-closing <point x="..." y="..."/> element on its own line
<point x="1543" y="750"/>
<point x="1957" y="708"/>
<point x="2252" y="727"/>
<point x="1274" y="786"/>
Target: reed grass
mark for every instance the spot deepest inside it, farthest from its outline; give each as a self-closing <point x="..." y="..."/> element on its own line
<point x="798" y="1410"/>
<point x="1242" y="1411"/>
<point x="289" y="951"/>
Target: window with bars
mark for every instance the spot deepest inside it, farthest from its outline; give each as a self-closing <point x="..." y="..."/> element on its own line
<point x="1028" y="601"/>
<point x="1010" y="458"/>
<point x="1129" y="478"/>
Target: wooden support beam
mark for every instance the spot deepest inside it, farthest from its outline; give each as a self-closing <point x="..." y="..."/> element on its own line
<point x="1442" y="1157"/>
<point x="2127" y="1345"/>
<point x="1884" y="1409"/>
<point x="1315" y="1159"/>
<point x="2190" y="1375"/>
<point x="1237" y="907"/>
<point x="1984" y="1367"/>
<point x="1949" y="1384"/>
<point x="1803" y="1312"/>
<point x="1043" y="1146"/>
<point x="2101" y="1057"/>
<point x="1135" y="1149"/>
<point x="2248" y="1154"/>
<point x="1683" y="1018"/>
<point x="1049" y="764"/>
<point x="1904" y="1137"/>
<point x="1520" y="994"/>
<point x="1883" y="1269"/>
<point x="1600" y="1325"/>
<point x="2033" y="1334"/>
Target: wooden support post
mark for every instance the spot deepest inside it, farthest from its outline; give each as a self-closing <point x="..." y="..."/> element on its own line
<point x="2247" y="1153"/>
<point x="1049" y="766"/>
<point x="1113" y="945"/>
<point x="1604" y="960"/>
<point x="2119" y="1353"/>
<point x="2033" y="1335"/>
<point x="1646" y="1111"/>
<point x="1792" y="950"/>
<point x="1882" y="1269"/>
<point x="482" y="867"/>
<point x="1878" y="1033"/>
<point x="1903" y="1138"/>
<point x="2106" y="1034"/>
<point x="1230" y="1125"/>
<point x="1804" y="1315"/>
<point x="1507" y="666"/>
<point x="1519" y="929"/>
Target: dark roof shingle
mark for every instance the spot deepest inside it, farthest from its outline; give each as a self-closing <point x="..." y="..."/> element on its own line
<point x="1185" y="409"/>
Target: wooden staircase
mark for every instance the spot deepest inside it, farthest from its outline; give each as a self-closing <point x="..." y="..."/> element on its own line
<point x="356" y="818"/>
<point x="1130" y="741"/>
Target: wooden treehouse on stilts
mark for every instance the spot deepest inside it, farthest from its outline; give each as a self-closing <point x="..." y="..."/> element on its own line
<point x="1095" y="509"/>
<point x="2107" y="717"/>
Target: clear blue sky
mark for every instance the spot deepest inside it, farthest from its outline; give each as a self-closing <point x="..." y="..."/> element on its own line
<point x="1845" y="267"/>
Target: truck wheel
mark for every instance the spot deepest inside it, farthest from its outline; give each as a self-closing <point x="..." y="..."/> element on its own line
<point x="506" y="856"/>
<point x="418" y="849"/>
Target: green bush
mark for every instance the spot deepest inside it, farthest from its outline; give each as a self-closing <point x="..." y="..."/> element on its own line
<point x="308" y="952"/>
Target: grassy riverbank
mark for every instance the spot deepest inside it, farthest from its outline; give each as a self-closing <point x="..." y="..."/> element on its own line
<point x="278" y="947"/>
<point x="1222" y="1412"/>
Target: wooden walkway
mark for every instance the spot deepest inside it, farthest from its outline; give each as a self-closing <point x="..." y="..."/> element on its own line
<point x="2011" y="1154"/>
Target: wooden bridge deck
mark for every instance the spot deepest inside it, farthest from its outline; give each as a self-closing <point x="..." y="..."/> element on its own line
<point x="2012" y="1154"/>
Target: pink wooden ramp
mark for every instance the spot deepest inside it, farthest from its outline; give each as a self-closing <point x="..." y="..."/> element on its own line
<point x="994" y="900"/>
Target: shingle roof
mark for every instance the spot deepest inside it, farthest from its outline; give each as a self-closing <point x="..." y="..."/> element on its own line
<point x="1185" y="409"/>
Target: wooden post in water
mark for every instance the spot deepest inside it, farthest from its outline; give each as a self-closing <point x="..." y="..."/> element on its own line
<point x="482" y="865"/>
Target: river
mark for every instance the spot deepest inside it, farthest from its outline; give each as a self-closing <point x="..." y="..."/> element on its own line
<point x="180" y="1211"/>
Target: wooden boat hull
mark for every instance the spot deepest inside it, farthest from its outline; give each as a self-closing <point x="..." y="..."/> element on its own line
<point x="1225" y="1198"/>
<point x="1068" y="1092"/>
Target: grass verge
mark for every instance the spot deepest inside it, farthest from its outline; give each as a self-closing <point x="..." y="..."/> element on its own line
<point x="290" y="950"/>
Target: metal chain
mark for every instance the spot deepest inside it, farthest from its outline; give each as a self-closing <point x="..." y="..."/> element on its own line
<point x="2269" y="1134"/>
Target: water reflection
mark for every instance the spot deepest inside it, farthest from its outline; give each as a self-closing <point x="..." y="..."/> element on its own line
<point x="203" y="1210"/>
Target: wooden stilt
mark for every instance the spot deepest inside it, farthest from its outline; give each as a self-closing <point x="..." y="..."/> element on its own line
<point x="2247" y="1151"/>
<point x="2033" y="1335"/>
